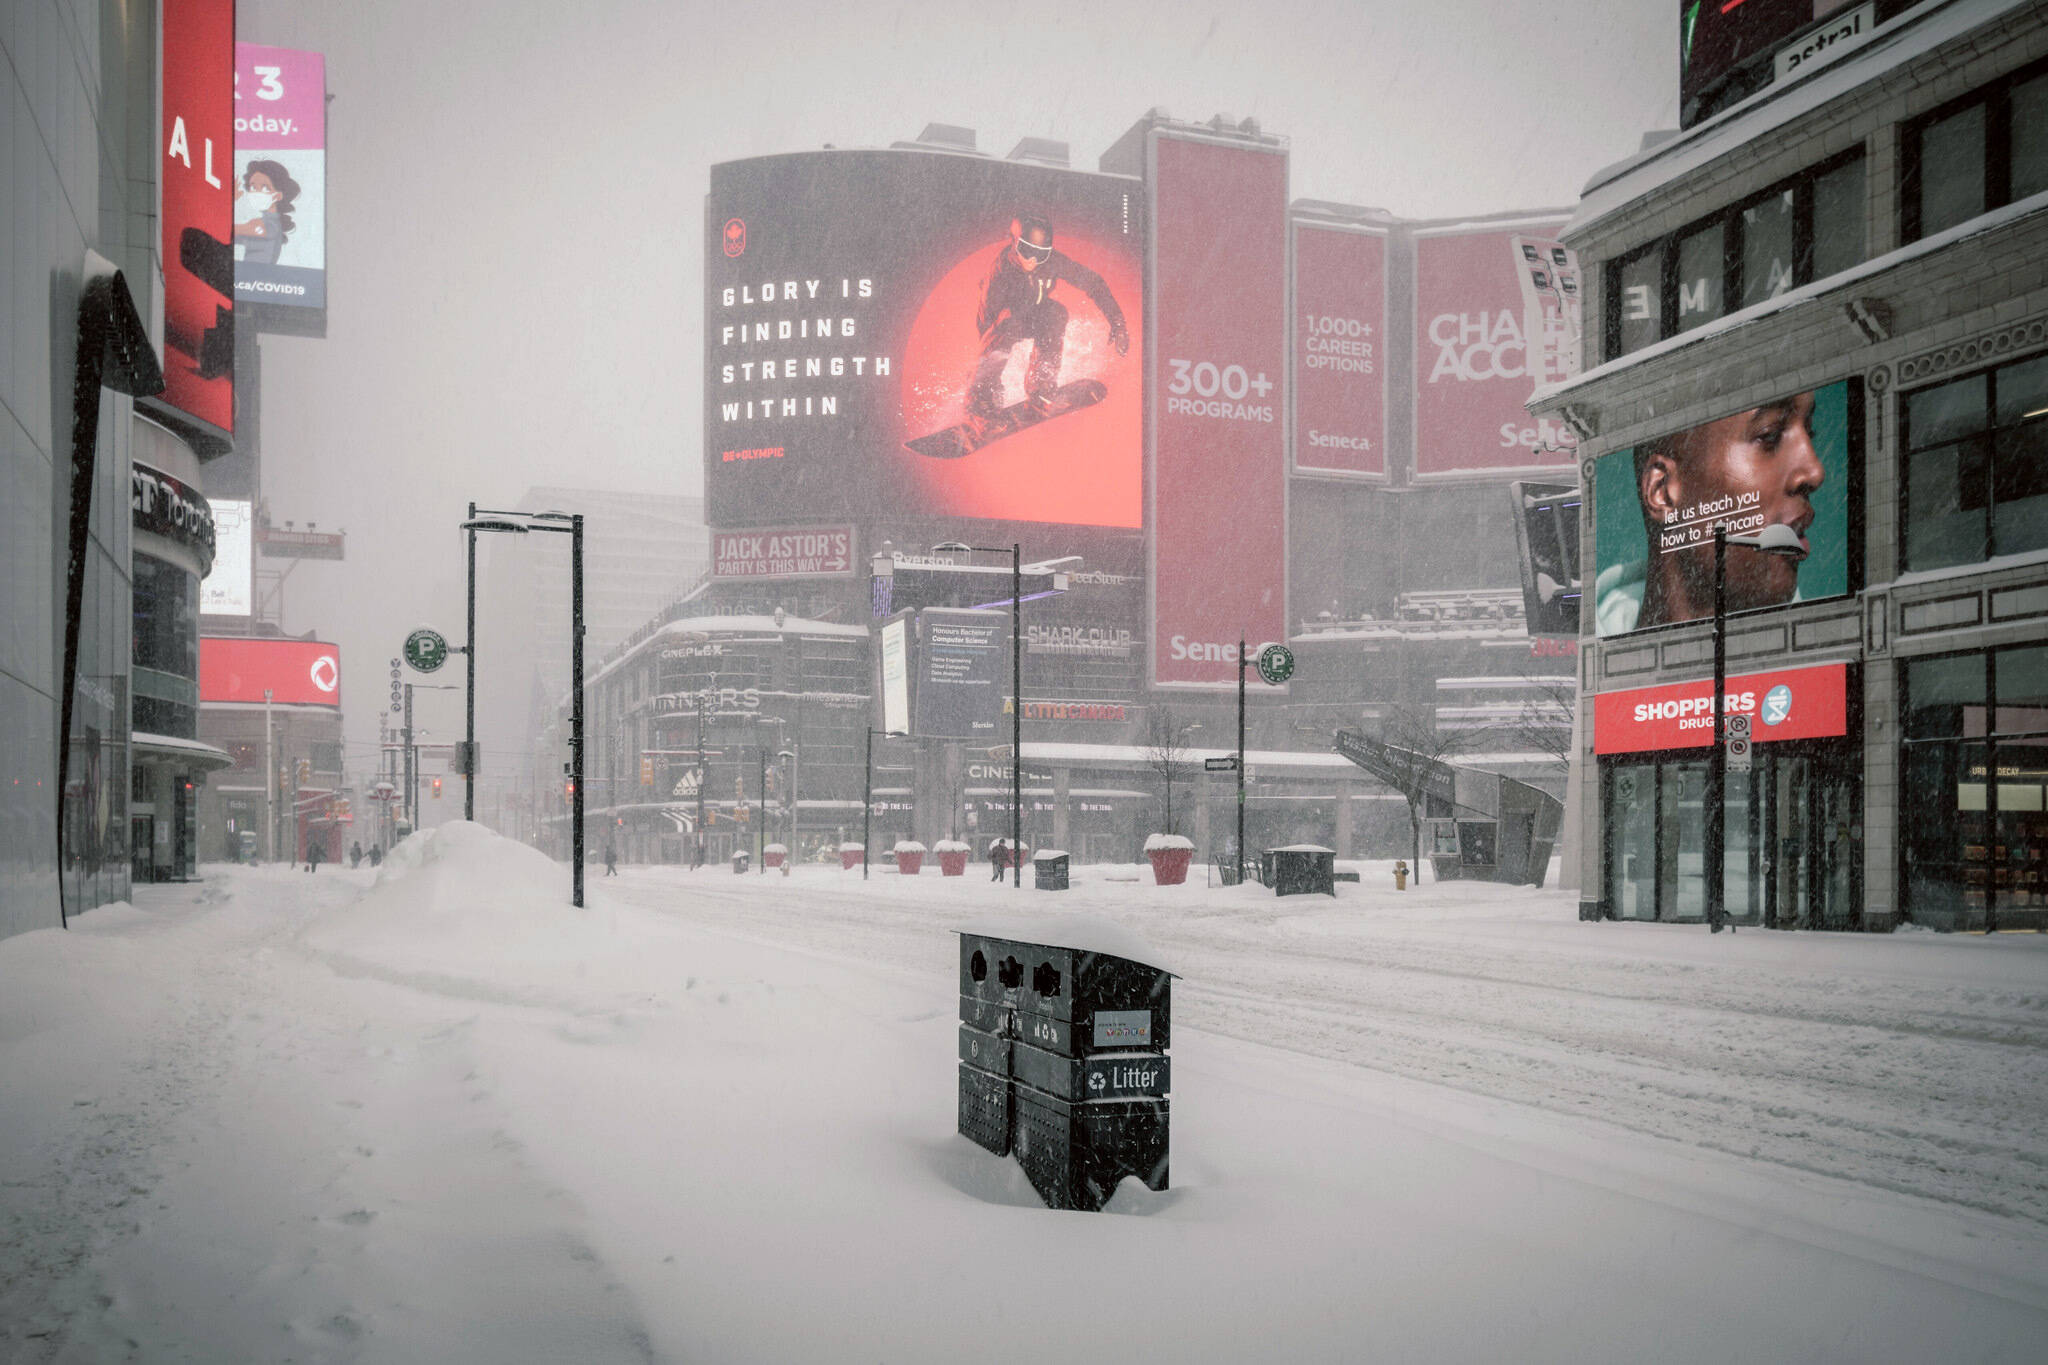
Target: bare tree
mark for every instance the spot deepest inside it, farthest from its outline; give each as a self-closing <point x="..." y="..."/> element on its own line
<point x="1407" y="751"/>
<point x="1166" y="756"/>
<point x="1545" y="723"/>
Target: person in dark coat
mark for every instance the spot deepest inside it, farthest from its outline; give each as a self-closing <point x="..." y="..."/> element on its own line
<point x="611" y="861"/>
<point x="313" y="855"/>
<point x="355" y="854"/>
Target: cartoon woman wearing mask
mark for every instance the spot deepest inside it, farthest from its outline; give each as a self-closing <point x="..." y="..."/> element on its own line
<point x="263" y="212"/>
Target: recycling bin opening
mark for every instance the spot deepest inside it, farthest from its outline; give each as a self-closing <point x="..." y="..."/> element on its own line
<point x="1065" y="1025"/>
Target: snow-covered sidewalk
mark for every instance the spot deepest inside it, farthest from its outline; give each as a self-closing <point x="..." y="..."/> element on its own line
<point x="439" y="1115"/>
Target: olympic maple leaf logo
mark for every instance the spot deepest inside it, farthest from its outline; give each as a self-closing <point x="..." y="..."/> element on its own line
<point x="735" y="236"/>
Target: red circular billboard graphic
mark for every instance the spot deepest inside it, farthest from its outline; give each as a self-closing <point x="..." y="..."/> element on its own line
<point x="325" y="673"/>
<point x="1084" y="467"/>
<point x="735" y="236"/>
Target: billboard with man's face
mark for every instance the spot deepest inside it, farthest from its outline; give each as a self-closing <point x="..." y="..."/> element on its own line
<point x="922" y="334"/>
<point x="1785" y="462"/>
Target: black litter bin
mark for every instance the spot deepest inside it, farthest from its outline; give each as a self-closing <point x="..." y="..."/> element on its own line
<point x="1063" y="1064"/>
<point x="740" y="861"/>
<point x="1049" y="867"/>
<point x="1300" y="870"/>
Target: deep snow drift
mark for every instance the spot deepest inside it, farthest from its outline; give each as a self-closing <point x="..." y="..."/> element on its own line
<point x="437" y="1114"/>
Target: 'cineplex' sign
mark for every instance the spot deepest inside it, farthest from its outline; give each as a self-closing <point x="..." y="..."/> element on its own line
<point x="1786" y="703"/>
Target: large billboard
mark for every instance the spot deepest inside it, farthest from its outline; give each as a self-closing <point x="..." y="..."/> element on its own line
<point x="783" y="552"/>
<point x="236" y="668"/>
<point x="1219" y="476"/>
<point x="1473" y="372"/>
<point x="1340" y="358"/>
<point x="197" y="175"/>
<point x="1719" y="38"/>
<point x="916" y="333"/>
<point x="280" y="190"/>
<point x="1655" y="506"/>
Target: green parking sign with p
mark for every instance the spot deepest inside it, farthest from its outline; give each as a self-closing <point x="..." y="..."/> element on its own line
<point x="426" y="649"/>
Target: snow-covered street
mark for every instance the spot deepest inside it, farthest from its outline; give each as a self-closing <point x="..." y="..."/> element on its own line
<point x="439" y="1115"/>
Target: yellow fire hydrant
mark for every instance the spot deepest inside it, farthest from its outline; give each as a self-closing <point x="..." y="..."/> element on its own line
<point x="1400" y="874"/>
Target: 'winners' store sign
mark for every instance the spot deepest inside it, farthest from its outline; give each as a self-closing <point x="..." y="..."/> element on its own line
<point x="1790" y="703"/>
<point x="785" y="552"/>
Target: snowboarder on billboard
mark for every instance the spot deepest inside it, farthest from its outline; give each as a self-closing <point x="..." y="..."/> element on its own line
<point x="1017" y="305"/>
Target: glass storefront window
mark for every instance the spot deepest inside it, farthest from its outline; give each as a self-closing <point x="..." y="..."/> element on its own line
<point x="1681" y="801"/>
<point x="1767" y="260"/>
<point x="1700" y="272"/>
<point x="2030" y="137"/>
<point x="1952" y="170"/>
<point x="1838" y="220"/>
<point x="1632" y="846"/>
<point x="1945" y="697"/>
<point x="1976" y="482"/>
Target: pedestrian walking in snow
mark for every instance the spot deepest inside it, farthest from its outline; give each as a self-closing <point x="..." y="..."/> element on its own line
<point x="312" y="857"/>
<point x="376" y="854"/>
<point x="355" y="855"/>
<point x="611" y="861"/>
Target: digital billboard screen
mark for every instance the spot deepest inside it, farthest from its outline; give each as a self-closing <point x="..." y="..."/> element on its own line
<point x="1719" y="37"/>
<point x="1219" y="485"/>
<point x="227" y="589"/>
<point x="961" y="678"/>
<point x="296" y="672"/>
<point x="1340" y="362"/>
<point x="280" y="189"/>
<point x="196" y="176"/>
<point x="1786" y="462"/>
<point x="915" y="333"/>
<point x="1473" y="368"/>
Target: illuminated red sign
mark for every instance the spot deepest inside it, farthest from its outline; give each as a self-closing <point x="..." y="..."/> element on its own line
<point x="1787" y="703"/>
<point x="197" y="174"/>
<point x="1219" y="485"/>
<point x="297" y="672"/>
<point x="1340" y="358"/>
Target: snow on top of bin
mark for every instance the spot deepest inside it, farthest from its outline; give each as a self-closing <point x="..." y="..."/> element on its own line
<point x="1087" y="933"/>
<point x="1155" y="842"/>
<point x="853" y="846"/>
<point x="1048" y="854"/>
<point x="776" y="848"/>
<point x="950" y="846"/>
<point x="909" y="846"/>
<point x="1301" y="848"/>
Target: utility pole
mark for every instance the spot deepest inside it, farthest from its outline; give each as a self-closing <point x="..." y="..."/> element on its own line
<point x="1240" y="759"/>
<point x="412" y="794"/>
<point x="701" y="778"/>
<point x="269" y="787"/>
<point x="469" y="765"/>
<point x="1017" y="714"/>
<point x="576" y="700"/>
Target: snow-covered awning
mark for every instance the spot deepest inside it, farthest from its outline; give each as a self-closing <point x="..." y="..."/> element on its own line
<point x="205" y="757"/>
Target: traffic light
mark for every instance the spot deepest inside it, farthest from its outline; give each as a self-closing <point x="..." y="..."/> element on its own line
<point x="305" y="772"/>
<point x="437" y="789"/>
<point x="646" y="770"/>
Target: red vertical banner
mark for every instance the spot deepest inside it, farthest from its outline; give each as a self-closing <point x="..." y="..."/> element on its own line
<point x="1472" y="370"/>
<point x="1219" y="404"/>
<point x="1340" y="359"/>
<point x="197" y="174"/>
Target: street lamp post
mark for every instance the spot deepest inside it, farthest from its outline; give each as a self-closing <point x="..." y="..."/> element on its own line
<point x="571" y="524"/>
<point x="1775" y="539"/>
<point x="867" y="804"/>
<point x="469" y="763"/>
<point x="701" y="778"/>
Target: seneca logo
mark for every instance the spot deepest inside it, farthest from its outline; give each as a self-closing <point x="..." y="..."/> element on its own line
<point x="1180" y="647"/>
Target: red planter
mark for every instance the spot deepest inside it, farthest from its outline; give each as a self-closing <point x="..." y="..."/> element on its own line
<point x="1170" y="865"/>
<point x="849" y="858"/>
<point x="909" y="864"/>
<point x="952" y="864"/>
<point x="772" y="859"/>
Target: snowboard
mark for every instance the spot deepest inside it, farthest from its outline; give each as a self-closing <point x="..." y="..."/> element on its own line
<point x="965" y="438"/>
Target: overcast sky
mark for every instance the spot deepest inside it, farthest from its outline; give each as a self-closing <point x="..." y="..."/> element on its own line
<point x="515" y="193"/>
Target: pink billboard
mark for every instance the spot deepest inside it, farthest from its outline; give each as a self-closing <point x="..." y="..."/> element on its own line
<point x="197" y="175"/>
<point x="1219" y="461"/>
<point x="1340" y="370"/>
<point x="1472" y="363"/>
<point x="280" y="215"/>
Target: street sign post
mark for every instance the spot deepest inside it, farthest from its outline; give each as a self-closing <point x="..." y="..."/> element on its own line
<point x="1739" y="753"/>
<point x="426" y="649"/>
